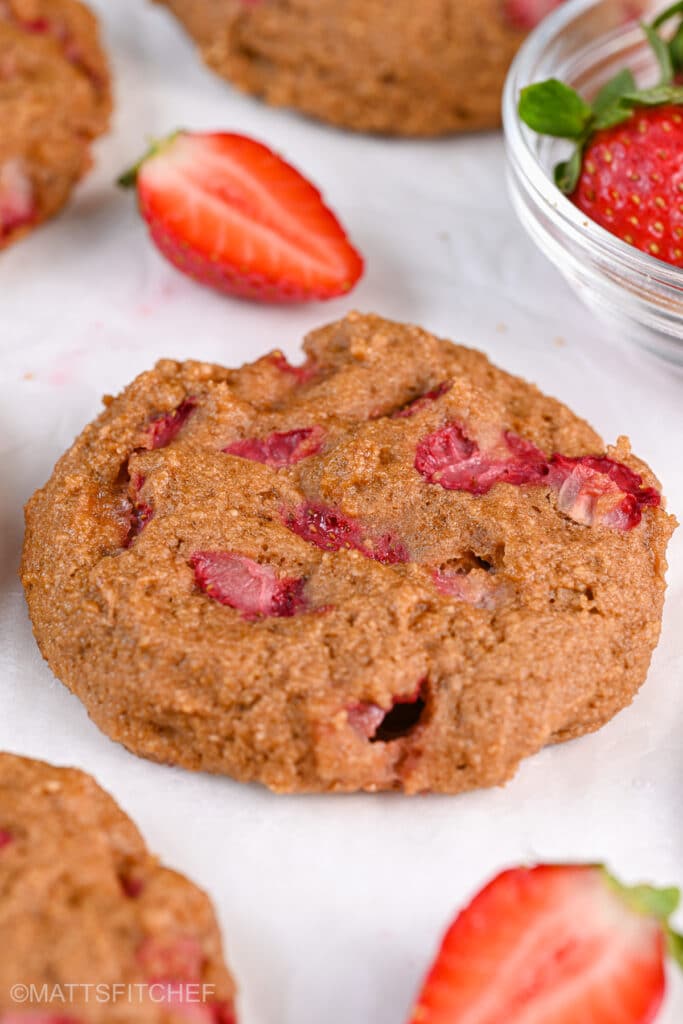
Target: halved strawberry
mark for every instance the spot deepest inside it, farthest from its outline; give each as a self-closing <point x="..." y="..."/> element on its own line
<point x="560" y="944"/>
<point x="232" y="214"/>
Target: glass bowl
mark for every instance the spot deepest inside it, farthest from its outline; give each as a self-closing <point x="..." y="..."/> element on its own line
<point x="584" y="43"/>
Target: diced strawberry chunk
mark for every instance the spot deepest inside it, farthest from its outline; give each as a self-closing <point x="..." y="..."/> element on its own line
<point x="377" y="725"/>
<point x="473" y="588"/>
<point x="279" y="449"/>
<point x="17" y="199"/>
<point x="420" y="403"/>
<point x="138" y="517"/>
<point x="6" y="838"/>
<point x="132" y="886"/>
<point x="222" y="1013"/>
<point x="165" y="428"/>
<point x="595" y="489"/>
<point x="185" y="1001"/>
<point x="250" y="587"/>
<point x="38" y="25"/>
<point x="180" y="958"/>
<point x="365" y="718"/>
<point x="450" y="458"/>
<point x="138" y="513"/>
<point x="302" y="373"/>
<point x="330" y="530"/>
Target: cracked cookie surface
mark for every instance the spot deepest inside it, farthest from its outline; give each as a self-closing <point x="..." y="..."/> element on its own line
<point x="83" y="903"/>
<point x="54" y="101"/>
<point x="393" y="567"/>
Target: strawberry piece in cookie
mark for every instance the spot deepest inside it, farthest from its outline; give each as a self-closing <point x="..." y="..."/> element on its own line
<point x="302" y="374"/>
<point x="17" y="199"/>
<point x="382" y="726"/>
<point x="250" y="587"/>
<point x="174" y="968"/>
<point x="594" y="489"/>
<point x="279" y="449"/>
<point x="177" y="959"/>
<point x="423" y="401"/>
<point x="331" y="530"/>
<point x="6" y="838"/>
<point x="137" y="512"/>
<point x="165" y="428"/>
<point x="450" y="458"/>
<point x="475" y="588"/>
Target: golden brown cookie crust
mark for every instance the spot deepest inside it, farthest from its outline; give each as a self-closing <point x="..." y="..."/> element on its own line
<point x="55" y="99"/>
<point x="400" y="68"/>
<point x="544" y="631"/>
<point x="83" y="902"/>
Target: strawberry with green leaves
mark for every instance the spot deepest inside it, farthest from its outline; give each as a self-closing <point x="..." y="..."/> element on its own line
<point x="233" y="215"/>
<point x="554" y="944"/>
<point x="626" y="170"/>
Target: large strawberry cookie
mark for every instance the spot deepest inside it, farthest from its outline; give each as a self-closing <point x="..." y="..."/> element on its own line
<point x="392" y="567"/>
<point x="54" y="100"/>
<point x="92" y="927"/>
<point x="404" y="68"/>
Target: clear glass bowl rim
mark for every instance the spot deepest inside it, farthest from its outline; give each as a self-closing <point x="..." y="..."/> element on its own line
<point x="583" y="231"/>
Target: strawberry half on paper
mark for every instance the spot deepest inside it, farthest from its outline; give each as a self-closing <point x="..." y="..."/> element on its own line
<point x="231" y="214"/>
<point x="554" y="944"/>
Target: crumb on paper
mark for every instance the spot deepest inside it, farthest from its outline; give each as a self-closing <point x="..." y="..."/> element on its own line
<point x="502" y="328"/>
<point x="559" y="342"/>
<point x="29" y="375"/>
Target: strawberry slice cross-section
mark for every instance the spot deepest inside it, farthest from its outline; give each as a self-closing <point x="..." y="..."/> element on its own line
<point x="553" y="944"/>
<point x="227" y="211"/>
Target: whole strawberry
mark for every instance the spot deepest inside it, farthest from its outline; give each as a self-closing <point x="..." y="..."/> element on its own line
<point x="626" y="171"/>
<point x="554" y="944"/>
<point x="233" y="215"/>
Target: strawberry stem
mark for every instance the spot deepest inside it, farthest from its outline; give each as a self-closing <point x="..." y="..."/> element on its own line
<point x="675" y="946"/>
<point x="653" y="902"/>
<point x="553" y="108"/>
<point x="129" y="178"/>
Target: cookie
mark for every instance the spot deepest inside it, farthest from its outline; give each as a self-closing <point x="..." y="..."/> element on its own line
<point x="400" y="68"/>
<point x="392" y="567"/>
<point x="83" y="903"/>
<point x="54" y="101"/>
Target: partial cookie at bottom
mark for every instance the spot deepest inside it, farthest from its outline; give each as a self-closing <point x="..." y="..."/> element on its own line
<point x="92" y="927"/>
